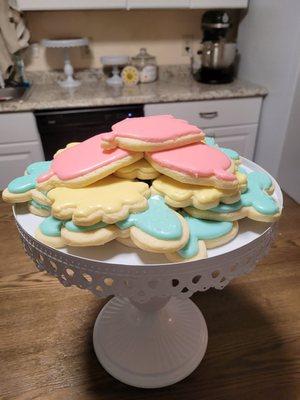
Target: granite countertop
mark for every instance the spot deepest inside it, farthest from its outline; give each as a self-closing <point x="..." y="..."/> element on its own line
<point x="174" y="84"/>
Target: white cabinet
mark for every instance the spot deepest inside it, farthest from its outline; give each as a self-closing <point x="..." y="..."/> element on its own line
<point x="20" y="145"/>
<point x="240" y="138"/>
<point x="233" y="122"/>
<point x="36" y="5"/>
<point x="39" y="5"/>
<point x="218" y="3"/>
<point x="132" y="4"/>
<point x="14" y="158"/>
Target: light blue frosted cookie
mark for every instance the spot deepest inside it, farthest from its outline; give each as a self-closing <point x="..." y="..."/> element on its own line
<point x="20" y="189"/>
<point x="158" y="229"/>
<point x="204" y="234"/>
<point x="57" y="233"/>
<point x="256" y="203"/>
<point x="39" y="209"/>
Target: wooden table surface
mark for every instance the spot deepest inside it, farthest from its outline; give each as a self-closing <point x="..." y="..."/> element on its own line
<point x="253" y="350"/>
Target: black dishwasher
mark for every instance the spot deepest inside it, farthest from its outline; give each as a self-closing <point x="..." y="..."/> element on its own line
<point x="59" y="127"/>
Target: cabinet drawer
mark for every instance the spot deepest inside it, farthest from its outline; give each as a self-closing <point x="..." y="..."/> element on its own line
<point x="18" y="127"/>
<point x="15" y="158"/>
<point x="211" y="113"/>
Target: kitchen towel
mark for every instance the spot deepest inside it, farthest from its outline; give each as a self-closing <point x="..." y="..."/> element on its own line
<point x="13" y="36"/>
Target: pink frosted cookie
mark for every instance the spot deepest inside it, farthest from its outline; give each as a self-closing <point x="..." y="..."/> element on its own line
<point x="196" y="163"/>
<point x="84" y="163"/>
<point x="151" y="133"/>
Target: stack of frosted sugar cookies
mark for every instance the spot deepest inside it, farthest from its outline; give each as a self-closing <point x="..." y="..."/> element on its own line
<point x="155" y="183"/>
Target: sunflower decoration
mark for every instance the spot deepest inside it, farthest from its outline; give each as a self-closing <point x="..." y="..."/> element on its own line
<point x="130" y="75"/>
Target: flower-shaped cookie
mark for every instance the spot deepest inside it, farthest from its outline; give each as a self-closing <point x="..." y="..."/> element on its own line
<point x="109" y="200"/>
<point x="178" y="195"/>
<point x="151" y="133"/>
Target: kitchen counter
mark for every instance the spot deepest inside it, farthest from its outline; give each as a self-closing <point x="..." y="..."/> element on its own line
<point x="175" y="84"/>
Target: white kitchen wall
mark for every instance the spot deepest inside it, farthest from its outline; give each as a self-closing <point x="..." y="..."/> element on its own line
<point x="289" y="168"/>
<point x="268" y="40"/>
<point x="114" y="32"/>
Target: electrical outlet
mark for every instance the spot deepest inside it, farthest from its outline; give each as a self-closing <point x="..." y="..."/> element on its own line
<point x="187" y="45"/>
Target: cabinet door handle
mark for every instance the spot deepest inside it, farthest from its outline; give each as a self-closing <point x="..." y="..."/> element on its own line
<point x="208" y="115"/>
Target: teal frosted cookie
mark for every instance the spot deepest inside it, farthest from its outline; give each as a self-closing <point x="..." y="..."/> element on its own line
<point x="256" y="203"/>
<point x="20" y="189"/>
<point x="204" y="234"/>
<point x="57" y="233"/>
<point x="158" y="229"/>
<point x="49" y="232"/>
<point x="93" y="235"/>
<point x="39" y="209"/>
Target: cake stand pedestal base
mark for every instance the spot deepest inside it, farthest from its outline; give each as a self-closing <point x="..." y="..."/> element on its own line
<point x="150" y="345"/>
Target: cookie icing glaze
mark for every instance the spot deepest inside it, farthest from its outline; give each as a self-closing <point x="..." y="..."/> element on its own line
<point x="157" y="128"/>
<point x="197" y="160"/>
<point x="158" y="220"/>
<point x="234" y="155"/>
<point x="106" y="196"/>
<point x="255" y="196"/>
<point x="51" y="226"/>
<point x="201" y="229"/>
<point x="81" y="159"/>
<point x="36" y="204"/>
<point x="70" y="226"/>
<point x="176" y="192"/>
<point x="27" y="182"/>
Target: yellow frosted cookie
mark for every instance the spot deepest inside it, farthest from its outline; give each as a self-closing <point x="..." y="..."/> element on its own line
<point x="177" y="194"/>
<point x="139" y="170"/>
<point x="242" y="179"/>
<point x="109" y="200"/>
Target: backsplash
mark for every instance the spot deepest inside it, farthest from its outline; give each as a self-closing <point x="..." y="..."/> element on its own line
<point x="113" y="32"/>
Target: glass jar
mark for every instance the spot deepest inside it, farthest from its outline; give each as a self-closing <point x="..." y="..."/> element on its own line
<point x="146" y="65"/>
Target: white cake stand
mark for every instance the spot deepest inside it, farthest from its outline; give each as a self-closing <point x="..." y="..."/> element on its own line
<point x="66" y="44"/>
<point x="150" y="334"/>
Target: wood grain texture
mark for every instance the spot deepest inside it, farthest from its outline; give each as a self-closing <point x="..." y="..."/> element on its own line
<point x="46" y="350"/>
